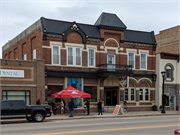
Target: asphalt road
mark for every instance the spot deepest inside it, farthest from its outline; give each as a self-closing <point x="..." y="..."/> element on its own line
<point x="150" y="125"/>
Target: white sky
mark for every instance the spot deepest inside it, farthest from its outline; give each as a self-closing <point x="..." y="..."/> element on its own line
<point x="143" y="15"/>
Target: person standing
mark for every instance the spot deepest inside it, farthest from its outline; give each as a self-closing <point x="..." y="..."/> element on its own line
<point x="71" y="107"/>
<point x="99" y="107"/>
<point x="38" y="102"/>
<point x="53" y="107"/>
<point x="64" y="105"/>
<point x="87" y="106"/>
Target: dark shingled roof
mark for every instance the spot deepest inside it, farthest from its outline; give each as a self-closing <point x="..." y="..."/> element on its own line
<point x="110" y="20"/>
<point x="59" y="27"/>
<point x="139" y="36"/>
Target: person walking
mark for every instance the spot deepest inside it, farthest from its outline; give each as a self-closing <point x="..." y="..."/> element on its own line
<point x="38" y="102"/>
<point x="99" y="107"/>
<point x="87" y="106"/>
<point x="71" y="107"/>
<point x="62" y="107"/>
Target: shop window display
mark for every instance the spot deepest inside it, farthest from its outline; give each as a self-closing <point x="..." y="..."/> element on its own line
<point x="91" y="90"/>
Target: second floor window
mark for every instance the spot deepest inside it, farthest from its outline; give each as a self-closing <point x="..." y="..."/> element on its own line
<point x="74" y="56"/>
<point x="143" y="61"/>
<point x="55" y="54"/>
<point x="25" y="57"/>
<point x="34" y="54"/>
<point x="131" y="59"/>
<point x="91" y="57"/>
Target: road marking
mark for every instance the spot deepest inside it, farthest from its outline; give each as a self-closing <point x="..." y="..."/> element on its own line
<point x="101" y="130"/>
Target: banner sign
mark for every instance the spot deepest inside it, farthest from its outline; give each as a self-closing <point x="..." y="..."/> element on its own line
<point x="124" y="81"/>
<point x="11" y="73"/>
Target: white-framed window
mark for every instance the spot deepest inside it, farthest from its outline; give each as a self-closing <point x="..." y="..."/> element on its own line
<point x="146" y="94"/>
<point x="143" y="61"/>
<point x="25" y="57"/>
<point x="91" y="57"/>
<point x="55" y="58"/>
<point x="131" y="59"/>
<point x="74" y="56"/>
<point x="126" y="95"/>
<point x="132" y="94"/>
<point x="34" y="54"/>
<point x="140" y="94"/>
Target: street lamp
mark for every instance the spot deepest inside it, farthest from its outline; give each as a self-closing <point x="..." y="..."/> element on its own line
<point x="163" y="75"/>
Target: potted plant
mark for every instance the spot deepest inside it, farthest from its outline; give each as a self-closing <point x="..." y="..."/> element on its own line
<point x="154" y="107"/>
<point x="160" y="107"/>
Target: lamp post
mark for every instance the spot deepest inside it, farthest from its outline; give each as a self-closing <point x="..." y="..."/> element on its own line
<point x="163" y="75"/>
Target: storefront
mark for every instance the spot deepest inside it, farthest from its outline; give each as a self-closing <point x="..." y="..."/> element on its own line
<point x="22" y="80"/>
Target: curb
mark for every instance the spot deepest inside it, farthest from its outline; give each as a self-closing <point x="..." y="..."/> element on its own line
<point x="93" y="117"/>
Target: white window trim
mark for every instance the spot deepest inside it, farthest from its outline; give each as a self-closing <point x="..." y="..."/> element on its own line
<point x="25" y="56"/>
<point x="145" y="94"/>
<point x="94" y="57"/>
<point x="34" y="54"/>
<point x="52" y="55"/>
<point x="74" y="55"/>
<point x="114" y="61"/>
<point x="134" y="59"/>
<point x="146" y="61"/>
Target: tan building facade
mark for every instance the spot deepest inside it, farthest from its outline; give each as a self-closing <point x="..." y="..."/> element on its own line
<point x="22" y="79"/>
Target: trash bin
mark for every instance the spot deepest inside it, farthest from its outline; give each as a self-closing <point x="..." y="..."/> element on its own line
<point x="177" y="132"/>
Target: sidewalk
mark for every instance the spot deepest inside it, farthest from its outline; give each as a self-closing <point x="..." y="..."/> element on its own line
<point x="95" y="116"/>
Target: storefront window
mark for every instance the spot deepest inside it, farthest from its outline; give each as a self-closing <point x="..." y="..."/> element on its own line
<point x="91" y="90"/>
<point x="17" y="95"/>
<point x="146" y="94"/>
<point x="126" y="94"/>
<point x="166" y="99"/>
<point x="51" y="90"/>
<point x="140" y="94"/>
<point x="132" y="94"/>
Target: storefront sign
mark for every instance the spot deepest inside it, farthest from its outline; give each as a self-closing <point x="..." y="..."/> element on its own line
<point x="11" y="73"/>
<point x="124" y="81"/>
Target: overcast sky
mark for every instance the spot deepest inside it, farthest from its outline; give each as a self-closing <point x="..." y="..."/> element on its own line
<point x="144" y="15"/>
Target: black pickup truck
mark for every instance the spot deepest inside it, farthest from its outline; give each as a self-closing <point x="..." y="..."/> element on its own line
<point x="17" y="109"/>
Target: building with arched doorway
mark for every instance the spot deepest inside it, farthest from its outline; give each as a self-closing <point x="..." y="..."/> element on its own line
<point x="106" y="59"/>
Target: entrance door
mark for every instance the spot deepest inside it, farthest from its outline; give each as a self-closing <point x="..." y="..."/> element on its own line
<point x="111" y="97"/>
<point x="111" y="62"/>
<point x="108" y="97"/>
<point x="173" y="103"/>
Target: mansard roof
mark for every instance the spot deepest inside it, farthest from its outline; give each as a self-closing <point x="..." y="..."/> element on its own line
<point x="139" y="37"/>
<point x="111" y="21"/>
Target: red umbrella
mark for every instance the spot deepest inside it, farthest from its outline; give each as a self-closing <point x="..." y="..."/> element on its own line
<point x="70" y="92"/>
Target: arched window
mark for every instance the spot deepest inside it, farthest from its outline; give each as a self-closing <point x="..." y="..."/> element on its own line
<point x="169" y="68"/>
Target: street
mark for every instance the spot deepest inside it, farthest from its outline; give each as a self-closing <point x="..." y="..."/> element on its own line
<point x="150" y="125"/>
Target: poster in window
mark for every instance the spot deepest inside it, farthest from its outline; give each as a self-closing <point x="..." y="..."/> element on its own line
<point x="77" y="84"/>
<point x="124" y="81"/>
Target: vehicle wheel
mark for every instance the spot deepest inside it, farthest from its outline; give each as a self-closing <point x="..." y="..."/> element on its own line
<point x="38" y="117"/>
<point x="29" y="119"/>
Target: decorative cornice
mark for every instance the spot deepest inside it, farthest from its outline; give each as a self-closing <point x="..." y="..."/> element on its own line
<point x="136" y="45"/>
<point x="54" y="36"/>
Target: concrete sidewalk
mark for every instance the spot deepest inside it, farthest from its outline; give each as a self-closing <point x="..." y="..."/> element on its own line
<point x="95" y="116"/>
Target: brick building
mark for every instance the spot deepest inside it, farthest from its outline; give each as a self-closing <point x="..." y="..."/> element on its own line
<point x="22" y="80"/>
<point x="167" y="59"/>
<point x="96" y="59"/>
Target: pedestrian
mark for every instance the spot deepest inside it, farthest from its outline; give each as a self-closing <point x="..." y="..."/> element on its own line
<point x="87" y="106"/>
<point x="71" y="107"/>
<point x="100" y="107"/>
<point x="38" y="102"/>
<point x="53" y="107"/>
<point x="64" y="105"/>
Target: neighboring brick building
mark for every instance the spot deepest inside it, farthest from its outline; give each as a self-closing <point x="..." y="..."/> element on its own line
<point x="22" y="80"/>
<point x="167" y="59"/>
<point x="92" y="58"/>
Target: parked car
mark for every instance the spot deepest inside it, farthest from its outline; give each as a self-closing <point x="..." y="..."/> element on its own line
<point x="11" y="109"/>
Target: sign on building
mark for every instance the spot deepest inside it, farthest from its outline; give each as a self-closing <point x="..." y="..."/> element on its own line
<point x="11" y="73"/>
<point x="124" y="81"/>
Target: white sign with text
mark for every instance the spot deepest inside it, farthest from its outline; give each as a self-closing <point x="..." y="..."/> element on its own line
<point x="11" y="73"/>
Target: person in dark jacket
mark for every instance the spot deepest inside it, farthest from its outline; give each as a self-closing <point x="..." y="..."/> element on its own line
<point x="38" y="102"/>
<point x="53" y="107"/>
<point x="71" y="107"/>
<point x="87" y="106"/>
<point x="99" y="107"/>
<point x="64" y="105"/>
